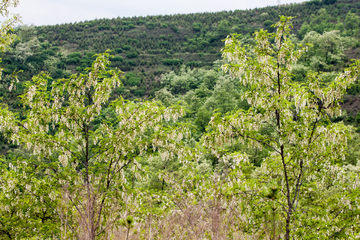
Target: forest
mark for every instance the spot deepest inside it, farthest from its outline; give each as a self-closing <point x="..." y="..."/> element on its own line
<point x="229" y="125"/>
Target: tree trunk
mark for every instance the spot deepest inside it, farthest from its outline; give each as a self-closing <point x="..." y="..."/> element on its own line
<point x="287" y="226"/>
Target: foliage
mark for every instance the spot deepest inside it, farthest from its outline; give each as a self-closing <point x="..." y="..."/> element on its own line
<point x="327" y="51"/>
<point x="166" y="43"/>
<point x="291" y="120"/>
<point x="6" y="27"/>
<point x="21" y="214"/>
<point x="268" y="158"/>
<point x="352" y="22"/>
<point x="85" y="168"/>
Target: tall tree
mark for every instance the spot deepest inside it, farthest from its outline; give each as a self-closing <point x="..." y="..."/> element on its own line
<point x="292" y="121"/>
<point x="85" y="153"/>
<point x="6" y="27"/>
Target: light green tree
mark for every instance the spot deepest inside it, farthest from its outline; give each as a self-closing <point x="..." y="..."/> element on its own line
<point x="327" y="51"/>
<point x="6" y="26"/>
<point x="22" y="216"/>
<point x="223" y="28"/>
<point x="327" y="54"/>
<point x="291" y="195"/>
<point x="352" y="22"/>
<point x="85" y="166"/>
<point x="25" y="50"/>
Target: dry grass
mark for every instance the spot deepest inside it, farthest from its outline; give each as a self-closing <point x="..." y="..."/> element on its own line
<point x="214" y="220"/>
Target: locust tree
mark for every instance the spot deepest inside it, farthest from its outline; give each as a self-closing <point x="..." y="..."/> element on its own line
<point x="86" y="156"/>
<point x="300" y="191"/>
<point x="6" y="26"/>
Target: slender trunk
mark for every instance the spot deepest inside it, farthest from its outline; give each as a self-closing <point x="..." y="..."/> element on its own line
<point x="150" y="226"/>
<point x="127" y="234"/>
<point x="90" y="201"/>
<point x="288" y="196"/>
<point x="274" y="224"/>
<point x="287" y="226"/>
<point x="163" y="184"/>
<point x="282" y="155"/>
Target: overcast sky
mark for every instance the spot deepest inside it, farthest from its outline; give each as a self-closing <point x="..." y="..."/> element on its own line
<point x="50" y="12"/>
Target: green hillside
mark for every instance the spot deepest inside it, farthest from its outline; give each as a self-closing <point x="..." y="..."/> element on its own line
<point x="154" y="45"/>
<point x="155" y="52"/>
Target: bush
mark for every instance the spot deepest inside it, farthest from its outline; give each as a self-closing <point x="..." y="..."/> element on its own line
<point x="171" y="62"/>
<point x="132" y="40"/>
<point x="132" y="79"/>
<point x="73" y="61"/>
<point x="118" y="50"/>
<point x="49" y="52"/>
<point x="141" y="22"/>
<point x="193" y="64"/>
<point x="132" y="55"/>
<point x="74" y="55"/>
<point x="163" y="44"/>
<point x="127" y="23"/>
<point x="116" y="58"/>
<point x="58" y="74"/>
<point x="126" y="47"/>
<point x="131" y="63"/>
<point x="103" y="27"/>
<point x="196" y="26"/>
<point x="268" y="23"/>
<point x="139" y="92"/>
<point x="150" y="25"/>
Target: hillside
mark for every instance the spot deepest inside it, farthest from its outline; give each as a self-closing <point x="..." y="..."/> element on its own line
<point x="147" y="47"/>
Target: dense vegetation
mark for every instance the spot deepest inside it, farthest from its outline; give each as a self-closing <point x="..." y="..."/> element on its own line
<point x="153" y="45"/>
<point x="250" y="145"/>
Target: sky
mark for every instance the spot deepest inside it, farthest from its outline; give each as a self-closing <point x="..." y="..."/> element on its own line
<point x="51" y="12"/>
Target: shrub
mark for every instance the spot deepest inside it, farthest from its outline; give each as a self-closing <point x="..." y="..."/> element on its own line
<point x="126" y="47"/>
<point x="196" y="26"/>
<point x="116" y="58"/>
<point x="103" y="27"/>
<point x="74" y="55"/>
<point x="171" y="62"/>
<point x="73" y="61"/>
<point x="139" y="92"/>
<point x="132" y="55"/>
<point x="118" y="50"/>
<point x="150" y="25"/>
<point x="132" y="79"/>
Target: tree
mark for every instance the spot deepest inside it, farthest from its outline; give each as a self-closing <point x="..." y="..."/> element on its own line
<point x="87" y="164"/>
<point x="27" y="49"/>
<point x="21" y="215"/>
<point x="285" y="197"/>
<point x="328" y="49"/>
<point x="224" y="98"/>
<point x="6" y="27"/>
<point x="304" y="29"/>
<point x="223" y="28"/>
<point x="352" y="22"/>
<point x="321" y="21"/>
